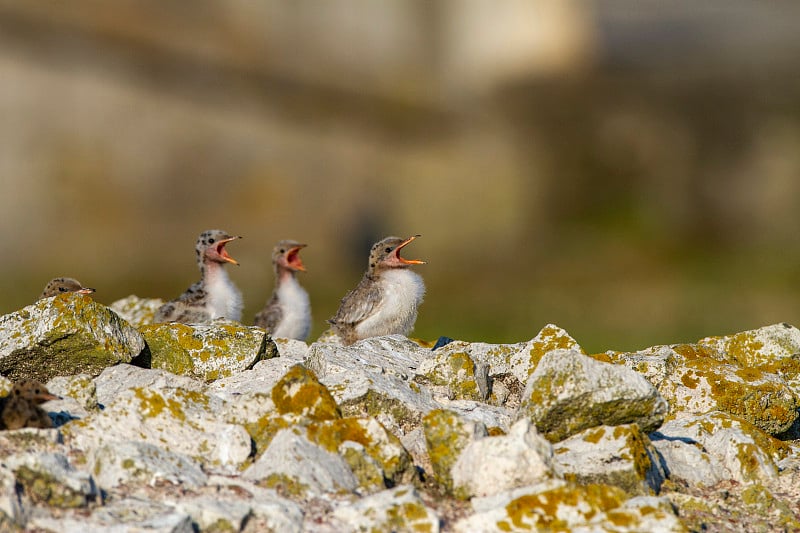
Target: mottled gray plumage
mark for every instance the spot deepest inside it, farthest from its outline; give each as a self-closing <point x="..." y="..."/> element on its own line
<point x="58" y="286"/>
<point x="21" y="409"/>
<point x="215" y="295"/>
<point x="287" y="313"/>
<point x="385" y="301"/>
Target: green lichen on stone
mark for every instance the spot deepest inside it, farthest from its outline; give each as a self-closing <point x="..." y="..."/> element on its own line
<point x="366" y="470"/>
<point x="263" y="430"/>
<point x="457" y="373"/>
<point x="540" y="511"/>
<point x="221" y="526"/>
<point x="169" y="347"/>
<point x="42" y="488"/>
<point x="284" y="485"/>
<point x="406" y="516"/>
<point x="445" y="437"/>
<point x="152" y="404"/>
<point x="299" y="392"/>
<point x="382" y="446"/>
<point x="548" y="339"/>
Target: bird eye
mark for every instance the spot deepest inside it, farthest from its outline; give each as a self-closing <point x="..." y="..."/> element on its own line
<point x="36" y="391"/>
<point x="283" y="251"/>
<point x="62" y="289"/>
<point x="388" y="250"/>
<point x="211" y="241"/>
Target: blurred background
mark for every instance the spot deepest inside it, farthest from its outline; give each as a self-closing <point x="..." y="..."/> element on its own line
<point x="627" y="170"/>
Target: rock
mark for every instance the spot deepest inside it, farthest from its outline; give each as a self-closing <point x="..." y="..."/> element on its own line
<point x="569" y="392"/>
<point x="754" y="348"/>
<point x="299" y="393"/>
<point x="292" y="349"/>
<point x="496" y="464"/>
<point x="137" y="311"/>
<point x="393" y="355"/>
<point x="398" y="509"/>
<point x="49" y="479"/>
<point x="64" y="335"/>
<point x="621" y="456"/>
<point x="133" y="462"/>
<point x="211" y="513"/>
<point x="446" y="436"/>
<point x="117" y="379"/>
<point x="686" y="461"/>
<point x="183" y="421"/>
<point x="129" y="514"/>
<point x="299" y="468"/>
<point x="207" y="351"/>
<point x="738" y="450"/>
<point x="80" y="387"/>
<point x="454" y="376"/>
<point x="269" y="512"/>
<point x="356" y="438"/>
<point x="704" y="384"/>
<point x="12" y="513"/>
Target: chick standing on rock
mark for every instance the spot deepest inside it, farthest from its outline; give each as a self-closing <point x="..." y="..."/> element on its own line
<point x="215" y="295"/>
<point x="386" y="299"/>
<point x="58" y="286"/>
<point x="20" y="409"/>
<point x="287" y="314"/>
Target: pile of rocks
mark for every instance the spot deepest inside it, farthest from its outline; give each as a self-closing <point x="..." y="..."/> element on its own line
<point x="173" y="428"/>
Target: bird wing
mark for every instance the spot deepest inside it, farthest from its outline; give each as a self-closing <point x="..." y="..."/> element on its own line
<point x="358" y="304"/>
<point x="187" y="308"/>
<point x="269" y="317"/>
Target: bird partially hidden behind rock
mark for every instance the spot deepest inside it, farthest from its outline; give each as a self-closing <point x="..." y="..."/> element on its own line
<point x="386" y="299"/>
<point x="58" y="286"/>
<point x="215" y="295"/>
<point x="20" y="409"/>
<point x="287" y="314"/>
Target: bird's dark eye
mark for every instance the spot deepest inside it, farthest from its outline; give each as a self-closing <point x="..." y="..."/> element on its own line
<point x="283" y="251"/>
<point x="36" y="391"/>
<point x="211" y="241"/>
<point x="62" y="289"/>
<point x="17" y="392"/>
<point x="388" y="250"/>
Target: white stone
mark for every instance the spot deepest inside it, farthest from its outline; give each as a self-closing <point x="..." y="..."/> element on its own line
<point x="397" y="509"/>
<point x="686" y="461"/>
<point x="118" y="378"/>
<point x="392" y="354"/>
<point x="130" y="462"/>
<point x="496" y="464"/>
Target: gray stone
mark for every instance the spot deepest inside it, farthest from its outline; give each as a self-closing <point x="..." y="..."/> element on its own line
<point x="394" y="355"/>
<point x="397" y="509"/>
<point x="117" y="379"/>
<point x="569" y="392"/>
<point x="133" y="462"/>
<point x="49" y="479"/>
<point x="64" y="335"/>
<point x="137" y="311"/>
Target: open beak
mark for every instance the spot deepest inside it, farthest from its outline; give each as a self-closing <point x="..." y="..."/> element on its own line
<point x="85" y="290"/>
<point x="223" y="253"/>
<point x="407" y="261"/>
<point x="46" y="397"/>
<point x="293" y="258"/>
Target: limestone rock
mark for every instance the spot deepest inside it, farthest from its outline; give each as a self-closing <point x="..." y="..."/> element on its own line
<point x="211" y="513"/>
<point x="133" y="462"/>
<point x="738" y="450"/>
<point x="300" y="468"/>
<point x="398" y="509"/>
<point x="299" y="393"/>
<point x="621" y="456"/>
<point x="750" y="349"/>
<point x="496" y="464"/>
<point x="12" y="513"/>
<point x="64" y="335"/>
<point x="454" y="375"/>
<point x="207" y="351"/>
<point x="183" y="421"/>
<point x="137" y="311"/>
<point x="446" y="435"/>
<point x="129" y="514"/>
<point x="704" y="384"/>
<point x="686" y="461"/>
<point x="269" y="512"/>
<point x="117" y="379"/>
<point x="393" y="355"/>
<point x="49" y="479"/>
<point x="81" y="387"/>
<point x="569" y="392"/>
<point x="293" y="349"/>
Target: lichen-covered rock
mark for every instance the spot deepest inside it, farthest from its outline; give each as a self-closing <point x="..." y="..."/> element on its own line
<point x="750" y="349"/>
<point x="591" y="508"/>
<point x="355" y="438"/>
<point x="738" y="450"/>
<point x="299" y="468"/>
<point x="207" y="351"/>
<point x="292" y="349"/>
<point x="211" y="513"/>
<point x="687" y="462"/>
<point x="127" y="514"/>
<point x="569" y="392"/>
<point x="392" y="354"/>
<point x="398" y="509"/>
<point x="81" y="387"/>
<point x="64" y="335"/>
<point x="49" y="479"/>
<point x="454" y="375"/>
<point x="446" y="435"/>
<point x="496" y="464"/>
<point x="12" y="514"/>
<point x="621" y="456"/>
<point x="300" y="393"/>
<point x="656" y="363"/>
<point x="182" y="421"/>
<point x="116" y="379"/>
<point x="269" y="512"/>
<point x="704" y="384"/>
<point x="133" y="462"/>
<point x="137" y="311"/>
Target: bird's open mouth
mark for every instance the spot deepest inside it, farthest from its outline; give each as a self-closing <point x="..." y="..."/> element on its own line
<point x="223" y="253"/>
<point x="293" y="258"/>
<point x="403" y="260"/>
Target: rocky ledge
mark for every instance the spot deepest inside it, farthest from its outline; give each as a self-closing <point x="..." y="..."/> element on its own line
<point x="170" y="428"/>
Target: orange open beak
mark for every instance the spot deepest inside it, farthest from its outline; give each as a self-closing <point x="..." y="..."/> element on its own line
<point x="293" y="258"/>
<point x="223" y="253"/>
<point x="407" y="261"/>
